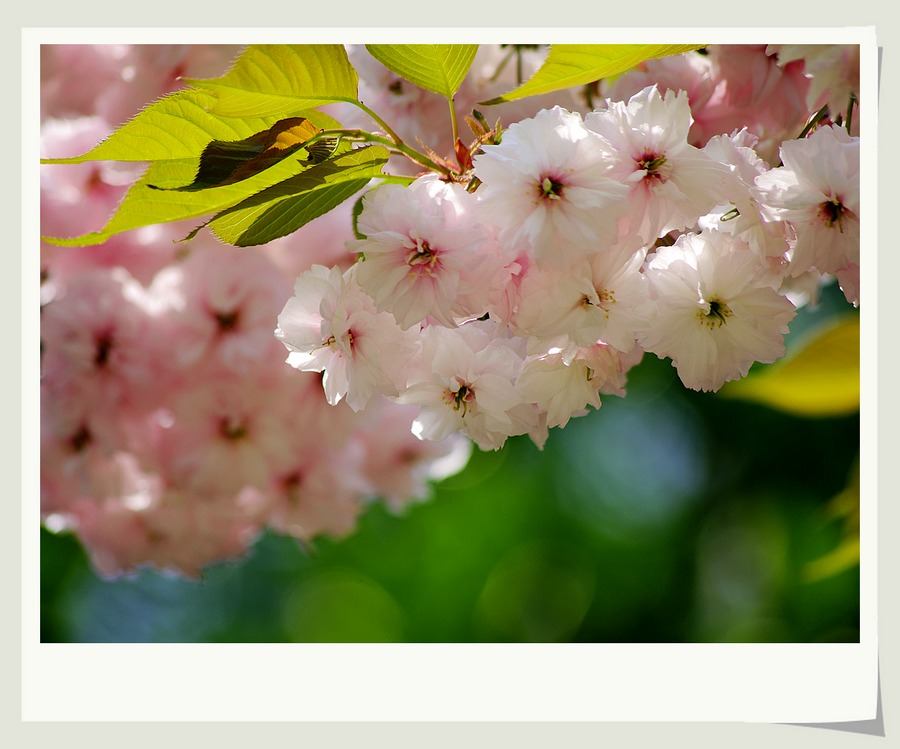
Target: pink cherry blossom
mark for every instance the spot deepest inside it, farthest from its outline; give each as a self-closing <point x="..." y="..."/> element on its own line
<point x="320" y="491"/>
<point x="560" y="388"/>
<point x="98" y="342"/>
<point x="464" y="379"/>
<point x="757" y="91"/>
<point x="690" y="72"/>
<point x="671" y="183"/>
<point x="548" y="184"/>
<point x="218" y="306"/>
<point x="817" y="192"/>
<point x="833" y="72"/>
<point x="228" y="435"/>
<point x="601" y="297"/>
<point x="743" y="215"/>
<point x="425" y="253"/>
<point x="713" y="317"/>
<point x="330" y="325"/>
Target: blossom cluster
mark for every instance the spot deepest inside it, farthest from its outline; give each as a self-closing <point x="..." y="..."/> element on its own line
<point x="511" y="302"/>
<point x="683" y="216"/>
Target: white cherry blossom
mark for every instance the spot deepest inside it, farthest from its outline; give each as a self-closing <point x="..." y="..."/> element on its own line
<point x="715" y="314"/>
<point x="817" y="192"/>
<point x="547" y="184"/>
<point x="671" y="183"/>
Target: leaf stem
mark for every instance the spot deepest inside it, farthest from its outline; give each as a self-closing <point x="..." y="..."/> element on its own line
<point x="379" y="121"/>
<point x="397" y="142"/>
<point x="396" y="146"/>
<point x="453" y="119"/>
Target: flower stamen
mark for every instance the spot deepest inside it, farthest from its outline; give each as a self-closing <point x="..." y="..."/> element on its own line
<point x="422" y="259"/>
<point x="717" y="314"/>
<point x="832" y="212"/>
<point x="651" y="163"/>
<point x="462" y="398"/>
<point x="550" y="189"/>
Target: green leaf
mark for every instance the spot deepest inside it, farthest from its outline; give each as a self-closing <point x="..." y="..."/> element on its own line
<point x="569" y="65"/>
<point x="179" y="126"/>
<point x="224" y="162"/>
<point x="283" y="80"/>
<point x="820" y="379"/>
<point x="440" y="68"/>
<point x="144" y="205"/>
<point x="285" y="207"/>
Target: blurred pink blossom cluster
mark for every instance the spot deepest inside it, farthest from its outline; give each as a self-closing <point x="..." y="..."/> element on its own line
<point x="172" y="431"/>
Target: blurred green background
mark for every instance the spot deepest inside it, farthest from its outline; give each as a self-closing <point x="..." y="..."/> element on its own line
<point x="666" y="516"/>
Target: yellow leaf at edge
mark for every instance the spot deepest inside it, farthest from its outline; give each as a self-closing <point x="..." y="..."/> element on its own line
<point x="820" y="379"/>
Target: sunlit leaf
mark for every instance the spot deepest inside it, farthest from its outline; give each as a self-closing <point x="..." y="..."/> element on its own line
<point x="570" y="65"/>
<point x="283" y="80"/>
<point x="440" y="68"/>
<point x="177" y="127"/>
<point x="819" y="379"/>
<point x="144" y="205"/>
<point x="283" y="208"/>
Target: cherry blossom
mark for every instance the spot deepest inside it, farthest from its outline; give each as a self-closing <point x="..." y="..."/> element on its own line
<point x="425" y="255"/>
<point x="548" y="184"/>
<point x="817" y="192"/>
<point x="671" y="183"/>
<point x="714" y="316"/>
<point x="331" y="326"/>
<point x="464" y="379"/>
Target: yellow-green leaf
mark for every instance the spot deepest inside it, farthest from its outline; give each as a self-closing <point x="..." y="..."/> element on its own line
<point x="570" y="65"/>
<point x="144" y="205"/>
<point x="283" y="208"/>
<point x="283" y="80"/>
<point x="440" y="68"/>
<point x="179" y="126"/>
<point x="819" y="379"/>
<point x="224" y="162"/>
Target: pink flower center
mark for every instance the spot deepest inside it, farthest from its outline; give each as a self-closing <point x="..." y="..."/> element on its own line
<point x="832" y="212"/>
<point x="232" y="429"/>
<point x="347" y="339"/>
<point x="291" y="484"/>
<point x="80" y="439"/>
<point x="550" y="187"/>
<point x="103" y="348"/>
<point x="651" y="164"/>
<point x="462" y="398"/>
<point x="604" y="300"/>
<point x="227" y="321"/>
<point x="717" y="316"/>
<point x="423" y="260"/>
